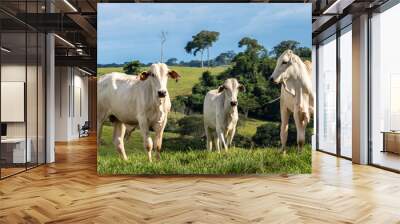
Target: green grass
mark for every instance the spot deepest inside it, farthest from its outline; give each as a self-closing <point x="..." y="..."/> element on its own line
<point x="190" y="76"/>
<point x="102" y="71"/>
<point x="178" y="160"/>
<point x="250" y="127"/>
<point x="187" y="154"/>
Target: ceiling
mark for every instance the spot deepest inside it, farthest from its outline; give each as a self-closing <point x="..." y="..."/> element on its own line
<point x="74" y="22"/>
<point x="328" y="13"/>
<point x="203" y="1"/>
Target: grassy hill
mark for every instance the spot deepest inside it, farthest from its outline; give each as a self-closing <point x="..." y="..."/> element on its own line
<point x="102" y="71"/>
<point x="190" y="76"/>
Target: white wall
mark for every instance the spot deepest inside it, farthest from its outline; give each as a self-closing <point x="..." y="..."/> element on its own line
<point x="71" y="94"/>
<point x="61" y="103"/>
<point x="33" y="126"/>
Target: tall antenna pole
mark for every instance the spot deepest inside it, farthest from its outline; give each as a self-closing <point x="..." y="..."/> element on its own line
<point x="163" y="39"/>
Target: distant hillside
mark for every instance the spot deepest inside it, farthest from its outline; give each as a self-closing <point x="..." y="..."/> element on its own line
<point x="190" y="76"/>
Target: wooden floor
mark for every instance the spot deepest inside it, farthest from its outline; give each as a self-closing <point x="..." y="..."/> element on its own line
<point x="387" y="159"/>
<point x="70" y="191"/>
<point x="5" y="172"/>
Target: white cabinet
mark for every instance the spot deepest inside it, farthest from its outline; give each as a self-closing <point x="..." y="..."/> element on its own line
<point x="17" y="148"/>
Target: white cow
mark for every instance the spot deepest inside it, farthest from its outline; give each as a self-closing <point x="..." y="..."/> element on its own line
<point x="296" y="94"/>
<point x="136" y="101"/>
<point x="221" y="114"/>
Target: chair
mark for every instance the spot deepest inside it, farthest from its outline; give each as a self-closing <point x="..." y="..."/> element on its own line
<point x="84" y="130"/>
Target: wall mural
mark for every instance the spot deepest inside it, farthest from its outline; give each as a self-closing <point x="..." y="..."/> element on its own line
<point x="204" y="89"/>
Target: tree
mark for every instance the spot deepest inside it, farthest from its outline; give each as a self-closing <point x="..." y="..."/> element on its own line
<point x="304" y="53"/>
<point x="247" y="102"/>
<point x="200" y="42"/>
<point x="207" y="79"/>
<point x="225" y="58"/>
<point x="172" y="61"/>
<point x="247" y="62"/>
<point x="250" y="44"/>
<point x="210" y="37"/>
<point x="132" y="67"/>
<point x="252" y="67"/>
<point x="285" y="45"/>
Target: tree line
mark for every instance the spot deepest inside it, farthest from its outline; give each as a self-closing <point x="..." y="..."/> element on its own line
<point x="203" y="41"/>
<point x="251" y="67"/>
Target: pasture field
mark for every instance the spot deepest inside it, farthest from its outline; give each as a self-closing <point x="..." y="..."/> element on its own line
<point x="189" y="77"/>
<point x="102" y="71"/>
<point x="179" y="157"/>
<point x="187" y="154"/>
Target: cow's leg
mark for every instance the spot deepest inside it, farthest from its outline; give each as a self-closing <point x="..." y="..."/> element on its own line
<point x="284" y="127"/>
<point x="231" y="134"/>
<point x="100" y="121"/>
<point x="147" y="141"/>
<point x="220" y="135"/>
<point x="159" y="138"/>
<point x="209" y="138"/>
<point x="118" y="138"/>
<point x="300" y="129"/>
<point x="216" y="142"/>
<point x="99" y="131"/>
<point x="129" y="132"/>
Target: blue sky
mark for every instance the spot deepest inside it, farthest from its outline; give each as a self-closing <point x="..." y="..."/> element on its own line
<point x="128" y="31"/>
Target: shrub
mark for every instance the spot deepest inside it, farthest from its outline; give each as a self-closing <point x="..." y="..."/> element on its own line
<point x="172" y="124"/>
<point x="268" y="135"/>
<point x="179" y="104"/>
<point x="242" y="141"/>
<point x="132" y="67"/>
<point x="191" y="125"/>
<point x="185" y="143"/>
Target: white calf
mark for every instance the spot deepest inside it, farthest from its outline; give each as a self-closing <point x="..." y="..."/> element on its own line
<point x="221" y="114"/>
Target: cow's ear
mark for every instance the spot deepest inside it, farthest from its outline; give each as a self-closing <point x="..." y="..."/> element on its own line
<point x="174" y="75"/>
<point x="144" y="75"/>
<point x="242" y="88"/>
<point x="221" y="88"/>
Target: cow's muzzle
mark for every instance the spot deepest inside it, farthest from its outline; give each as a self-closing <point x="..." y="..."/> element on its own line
<point x="272" y="80"/>
<point x="234" y="103"/>
<point x="162" y="93"/>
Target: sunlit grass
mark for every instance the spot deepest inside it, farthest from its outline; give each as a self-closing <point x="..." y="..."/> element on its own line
<point x="197" y="160"/>
<point x="187" y="154"/>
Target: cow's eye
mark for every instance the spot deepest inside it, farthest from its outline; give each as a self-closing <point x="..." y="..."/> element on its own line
<point x="284" y="62"/>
